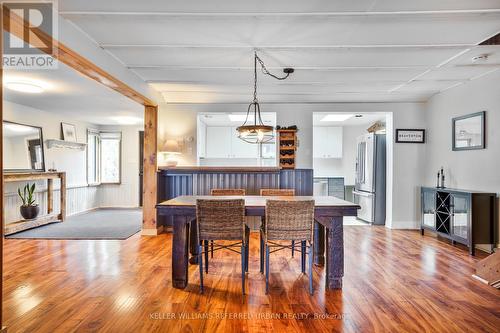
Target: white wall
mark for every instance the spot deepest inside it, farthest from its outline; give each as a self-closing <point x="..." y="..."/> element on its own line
<point x="345" y="166"/>
<point x="179" y="121"/>
<point x="473" y="169"/>
<point x="80" y="196"/>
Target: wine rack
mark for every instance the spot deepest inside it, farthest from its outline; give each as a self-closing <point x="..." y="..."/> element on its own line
<point x="287" y="148"/>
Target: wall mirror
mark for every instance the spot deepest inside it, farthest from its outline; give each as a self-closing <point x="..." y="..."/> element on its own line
<point x="469" y="131"/>
<point x="22" y="148"/>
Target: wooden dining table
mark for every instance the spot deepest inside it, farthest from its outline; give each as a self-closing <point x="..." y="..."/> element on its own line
<point x="328" y="231"/>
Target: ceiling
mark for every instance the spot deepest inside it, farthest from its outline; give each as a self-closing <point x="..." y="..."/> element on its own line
<point x="362" y="119"/>
<point x="69" y="93"/>
<point x="343" y="51"/>
<point x="223" y="119"/>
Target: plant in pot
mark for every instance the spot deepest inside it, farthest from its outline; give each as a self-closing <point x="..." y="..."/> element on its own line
<point x="29" y="209"/>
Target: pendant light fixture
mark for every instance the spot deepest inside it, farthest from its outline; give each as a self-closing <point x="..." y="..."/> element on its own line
<point x="258" y="132"/>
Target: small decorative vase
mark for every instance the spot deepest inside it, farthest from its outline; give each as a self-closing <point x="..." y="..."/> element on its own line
<point x="29" y="212"/>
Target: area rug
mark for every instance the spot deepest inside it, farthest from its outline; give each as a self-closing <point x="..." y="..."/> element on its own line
<point x="98" y="224"/>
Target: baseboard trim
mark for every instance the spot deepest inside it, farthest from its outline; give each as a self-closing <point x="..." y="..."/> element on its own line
<point x="404" y="225"/>
<point x="152" y="231"/>
<point x="119" y="207"/>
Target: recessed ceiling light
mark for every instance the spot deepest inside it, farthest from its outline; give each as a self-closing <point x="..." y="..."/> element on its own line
<point x="127" y="120"/>
<point x="25" y="87"/>
<point x="337" y="117"/>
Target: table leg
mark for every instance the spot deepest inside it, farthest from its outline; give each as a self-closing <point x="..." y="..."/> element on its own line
<point x="335" y="254"/>
<point x="180" y="252"/>
<point x="193" y="243"/>
<point x="319" y="244"/>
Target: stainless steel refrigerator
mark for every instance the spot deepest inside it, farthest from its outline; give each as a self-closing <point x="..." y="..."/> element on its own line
<point x="369" y="191"/>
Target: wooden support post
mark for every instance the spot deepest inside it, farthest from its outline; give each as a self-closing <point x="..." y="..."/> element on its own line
<point x="50" y="195"/>
<point x="2" y="216"/>
<point x="62" y="194"/>
<point x="149" y="225"/>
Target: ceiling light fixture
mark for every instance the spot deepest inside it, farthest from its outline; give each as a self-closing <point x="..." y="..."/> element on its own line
<point x="337" y="117"/>
<point x="258" y="132"/>
<point x="25" y="87"/>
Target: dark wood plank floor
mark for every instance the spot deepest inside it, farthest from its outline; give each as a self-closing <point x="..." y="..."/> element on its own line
<point x="395" y="281"/>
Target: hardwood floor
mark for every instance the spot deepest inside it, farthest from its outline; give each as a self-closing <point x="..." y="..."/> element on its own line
<point x="395" y="281"/>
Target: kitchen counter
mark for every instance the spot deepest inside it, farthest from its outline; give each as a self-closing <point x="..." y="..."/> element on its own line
<point x="225" y="169"/>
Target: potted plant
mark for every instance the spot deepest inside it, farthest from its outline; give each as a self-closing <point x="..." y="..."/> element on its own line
<point x="29" y="209"/>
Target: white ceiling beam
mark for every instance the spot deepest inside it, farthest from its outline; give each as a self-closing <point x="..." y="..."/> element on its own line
<point x="273" y="14"/>
<point x="285" y="47"/>
<point x="308" y="68"/>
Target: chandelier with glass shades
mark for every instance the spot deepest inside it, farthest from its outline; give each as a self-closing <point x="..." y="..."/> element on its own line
<point x="258" y="132"/>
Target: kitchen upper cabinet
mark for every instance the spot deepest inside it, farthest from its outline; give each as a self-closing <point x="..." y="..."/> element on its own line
<point x="242" y="149"/>
<point x="223" y="142"/>
<point x="218" y="142"/>
<point x="327" y="142"/>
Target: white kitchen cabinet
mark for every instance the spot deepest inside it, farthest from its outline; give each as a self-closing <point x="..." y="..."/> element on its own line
<point x="223" y="142"/>
<point x="218" y="142"/>
<point x="242" y="149"/>
<point x="327" y="142"/>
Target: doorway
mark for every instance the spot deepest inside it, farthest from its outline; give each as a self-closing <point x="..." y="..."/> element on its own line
<point x="343" y="163"/>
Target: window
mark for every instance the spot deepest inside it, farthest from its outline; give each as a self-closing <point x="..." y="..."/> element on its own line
<point x="104" y="157"/>
<point x="110" y="157"/>
<point x="93" y="156"/>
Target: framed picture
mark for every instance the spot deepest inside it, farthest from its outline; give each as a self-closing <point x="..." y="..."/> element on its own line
<point x="469" y="131"/>
<point x="410" y="135"/>
<point x="68" y="132"/>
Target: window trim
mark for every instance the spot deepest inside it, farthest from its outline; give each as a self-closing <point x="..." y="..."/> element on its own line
<point x="119" y="182"/>
<point x="97" y="133"/>
<point x="91" y="131"/>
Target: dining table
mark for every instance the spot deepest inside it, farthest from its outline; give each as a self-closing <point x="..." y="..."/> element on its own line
<point x="328" y="231"/>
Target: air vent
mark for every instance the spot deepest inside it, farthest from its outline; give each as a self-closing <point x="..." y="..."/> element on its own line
<point x="495" y="40"/>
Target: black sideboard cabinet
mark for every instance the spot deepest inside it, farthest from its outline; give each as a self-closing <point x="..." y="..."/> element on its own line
<point x="465" y="217"/>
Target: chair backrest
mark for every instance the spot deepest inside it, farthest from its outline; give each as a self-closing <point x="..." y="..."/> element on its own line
<point x="220" y="219"/>
<point x="228" y="191"/>
<point x="289" y="219"/>
<point x="286" y="192"/>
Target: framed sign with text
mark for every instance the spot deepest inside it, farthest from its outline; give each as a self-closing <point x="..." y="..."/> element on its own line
<point x="410" y="136"/>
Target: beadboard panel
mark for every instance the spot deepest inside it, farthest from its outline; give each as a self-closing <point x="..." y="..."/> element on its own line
<point x="203" y="183"/>
<point x="119" y="195"/>
<point x="78" y="200"/>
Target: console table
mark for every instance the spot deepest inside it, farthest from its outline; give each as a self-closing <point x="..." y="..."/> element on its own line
<point x="50" y="217"/>
<point x="465" y="217"/>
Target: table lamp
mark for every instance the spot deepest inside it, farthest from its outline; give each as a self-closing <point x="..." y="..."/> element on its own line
<point x="172" y="150"/>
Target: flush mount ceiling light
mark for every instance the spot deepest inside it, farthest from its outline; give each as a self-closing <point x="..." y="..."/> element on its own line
<point x="30" y="87"/>
<point x="258" y="132"/>
<point x="337" y="117"/>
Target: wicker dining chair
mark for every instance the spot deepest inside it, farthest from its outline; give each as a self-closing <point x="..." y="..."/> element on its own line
<point x="274" y="192"/>
<point x="229" y="192"/>
<point x="288" y="220"/>
<point x="221" y="220"/>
